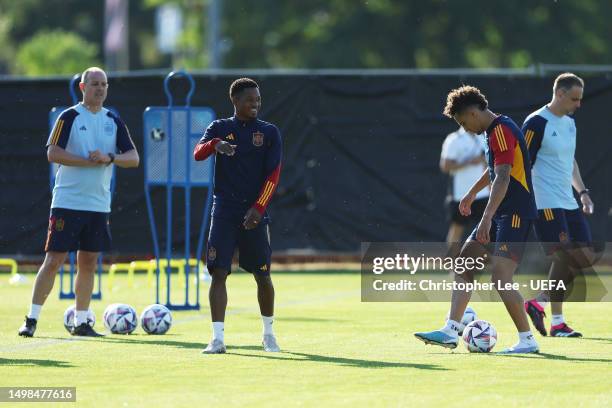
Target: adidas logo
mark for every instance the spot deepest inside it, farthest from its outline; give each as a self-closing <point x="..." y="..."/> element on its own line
<point x="554" y="134"/>
<point x="83" y="128"/>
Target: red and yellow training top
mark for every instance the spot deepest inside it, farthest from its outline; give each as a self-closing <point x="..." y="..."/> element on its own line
<point x="506" y="145"/>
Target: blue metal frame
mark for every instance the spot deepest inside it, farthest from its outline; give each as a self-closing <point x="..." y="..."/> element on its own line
<point x="169" y="183"/>
<point x="69" y="293"/>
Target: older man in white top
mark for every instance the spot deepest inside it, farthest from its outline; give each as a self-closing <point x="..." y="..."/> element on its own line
<point x="86" y="141"/>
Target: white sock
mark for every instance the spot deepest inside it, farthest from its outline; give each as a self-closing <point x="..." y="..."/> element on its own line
<point x="557" y="319"/>
<point x="34" y="311"/>
<point x="80" y="317"/>
<point x="526" y="337"/>
<point x="267" y="324"/>
<point x="219" y="331"/>
<point x="452" y="328"/>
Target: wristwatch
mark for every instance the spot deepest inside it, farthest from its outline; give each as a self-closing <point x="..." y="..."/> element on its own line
<point x="585" y="191"/>
<point x="112" y="159"/>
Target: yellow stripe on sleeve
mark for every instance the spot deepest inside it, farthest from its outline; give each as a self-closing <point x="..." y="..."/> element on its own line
<point x="528" y="137"/>
<point x="266" y="193"/>
<point x="500" y="139"/>
<point x="57" y="131"/>
<point x="261" y="198"/>
<point x="503" y="138"/>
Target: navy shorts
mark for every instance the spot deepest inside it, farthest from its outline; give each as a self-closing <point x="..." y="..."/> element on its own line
<point x="228" y="234"/>
<point x="555" y="227"/>
<point x="71" y="230"/>
<point x="508" y="236"/>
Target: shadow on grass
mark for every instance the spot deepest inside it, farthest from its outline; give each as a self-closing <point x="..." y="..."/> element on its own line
<point x="285" y="356"/>
<point x="604" y="339"/>
<point x="308" y="319"/>
<point x="281" y="271"/>
<point x="548" y="356"/>
<point x="32" y="362"/>
<point x="341" y="361"/>
<point x="138" y="339"/>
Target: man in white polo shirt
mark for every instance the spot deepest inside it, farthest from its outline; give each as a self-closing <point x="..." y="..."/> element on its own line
<point x="86" y="141"/>
<point x="462" y="158"/>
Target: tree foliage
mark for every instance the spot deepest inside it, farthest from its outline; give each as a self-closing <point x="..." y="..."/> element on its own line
<point x="337" y="33"/>
<point x="55" y="52"/>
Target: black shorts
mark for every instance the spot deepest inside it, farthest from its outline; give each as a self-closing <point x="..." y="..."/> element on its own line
<point x="71" y="230"/>
<point x="453" y="214"/>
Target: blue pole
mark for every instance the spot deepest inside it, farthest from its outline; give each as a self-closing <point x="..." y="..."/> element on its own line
<point x="169" y="207"/>
<point x="150" y="213"/>
<point x="187" y="203"/>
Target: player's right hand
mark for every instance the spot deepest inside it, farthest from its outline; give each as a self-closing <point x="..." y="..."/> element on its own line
<point x="224" y="147"/>
<point x="97" y="157"/>
<point x="483" y="231"/>
<point x="466" y="203"/>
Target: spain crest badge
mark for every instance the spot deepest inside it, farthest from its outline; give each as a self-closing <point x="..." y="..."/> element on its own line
<point x="258" y="139"/>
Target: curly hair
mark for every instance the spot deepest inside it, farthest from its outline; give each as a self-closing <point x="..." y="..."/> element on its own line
<point x="241" y="84"/>
<point x="461" y="98"/>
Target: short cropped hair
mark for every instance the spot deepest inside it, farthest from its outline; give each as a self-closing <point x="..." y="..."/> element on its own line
<point x="241" y="84"/>
<point x="85" y="74"/>
<point x="567" y="81"/>
<point x="461" y="98"/>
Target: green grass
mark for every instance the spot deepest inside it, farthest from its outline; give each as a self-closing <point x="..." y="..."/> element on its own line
<point x="337" y="351"/>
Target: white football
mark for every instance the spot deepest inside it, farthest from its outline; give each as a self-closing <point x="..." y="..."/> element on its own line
<point x="468" y="316"/>
<point x="156" y="319"/>
<point x="120" y="318"/>
<point x="69" y="316"/>
<point x="479" y="336"/>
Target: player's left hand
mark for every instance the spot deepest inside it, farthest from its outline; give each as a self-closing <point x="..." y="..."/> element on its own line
<point x="99" y="157"/>
<point x="587" y="205"/>
<point x="251" y="219"/>
<point x="482" y="234"/>
<point x="466" y="203"/>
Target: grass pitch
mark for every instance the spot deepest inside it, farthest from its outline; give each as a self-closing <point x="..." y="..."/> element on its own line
<point x="337" y="351"/>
